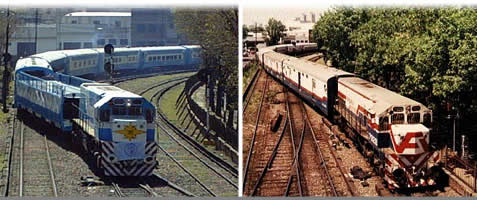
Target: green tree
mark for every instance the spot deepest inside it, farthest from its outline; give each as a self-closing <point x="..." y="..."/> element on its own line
<point x="275" y="30"/>
<point x="216" y="31"/>
<point x="245" y="31"/>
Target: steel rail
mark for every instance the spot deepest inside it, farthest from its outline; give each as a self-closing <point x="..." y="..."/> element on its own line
<point x="182" y="79"/>
<point x="295" y="163"/>
<point x="270" y="159"/>
<point x="174" y="186"/>
<point x="50" y="166"/>
<point x="250" y="88"/>
<point x="10" y="156"/>
<point x="148" y="189"/>
<point x="320" y="153"/>
<point x="187" y="171"/>
<point x="21" y="160"/>
<point x="220" y="162"/>
<point x="257" y="120"/>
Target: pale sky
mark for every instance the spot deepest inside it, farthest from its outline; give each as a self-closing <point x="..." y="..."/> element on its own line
<point x="284" y="14"/>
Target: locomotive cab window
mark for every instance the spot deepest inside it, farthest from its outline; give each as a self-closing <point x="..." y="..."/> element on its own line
<point x="135" y="111"/>
<point x="383" y="123"/>
<point x="119" y="110"/>
<point x="413" y="118"/>
<point x="104" y="115"/>
<point x="397" y="118"/>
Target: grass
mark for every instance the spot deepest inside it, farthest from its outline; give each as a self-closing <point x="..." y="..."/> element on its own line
<point x="168" y="103"/>
<point x="248" y="74"/>
<point x="138" y="84"/>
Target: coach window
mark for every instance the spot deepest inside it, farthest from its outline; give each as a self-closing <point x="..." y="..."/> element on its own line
<point x="101" y="42"/>
<point x="413" y="118"/>
<point x="397" y="118"/>
<point x="149" y="59"/>
<point x="383" y="123"/>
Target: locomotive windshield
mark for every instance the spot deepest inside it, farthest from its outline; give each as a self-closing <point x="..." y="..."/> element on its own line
<point x="129" y="107"/>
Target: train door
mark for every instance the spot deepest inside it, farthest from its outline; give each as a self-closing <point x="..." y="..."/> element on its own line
<point x="299" y="81"/>
<point x="332" y="93"/>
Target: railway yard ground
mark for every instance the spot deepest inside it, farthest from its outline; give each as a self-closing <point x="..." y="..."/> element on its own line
<point x="74" y="174"/>
<point x="268" y="168"/>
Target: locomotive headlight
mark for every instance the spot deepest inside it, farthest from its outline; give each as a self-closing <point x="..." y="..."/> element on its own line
<point x="149" y="160"/>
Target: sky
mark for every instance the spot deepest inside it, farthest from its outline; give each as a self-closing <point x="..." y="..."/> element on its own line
<point x="284" y="14"/>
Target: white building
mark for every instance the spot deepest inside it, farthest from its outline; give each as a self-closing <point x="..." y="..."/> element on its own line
<point x="76" y="30"/>
<point x="23" y="40"/>
<point x="94" y="29"/>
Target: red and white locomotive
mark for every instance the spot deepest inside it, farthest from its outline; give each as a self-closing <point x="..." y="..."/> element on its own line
<point x="391" y="130"/>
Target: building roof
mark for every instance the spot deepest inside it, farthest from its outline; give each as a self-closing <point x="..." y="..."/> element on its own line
<point x="99" y="14"/>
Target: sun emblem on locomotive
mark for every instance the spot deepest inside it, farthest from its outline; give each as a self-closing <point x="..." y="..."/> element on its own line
<point x="130" y="132"/>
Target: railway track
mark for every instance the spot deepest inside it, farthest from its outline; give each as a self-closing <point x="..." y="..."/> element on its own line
<point x="255" y="129"/>
<point x="250" y="88"/>
<point x="31" y="169"/>
<point x="138" y="187"/>
<point x="226" y="174"/>
<point x="296" y="162"/>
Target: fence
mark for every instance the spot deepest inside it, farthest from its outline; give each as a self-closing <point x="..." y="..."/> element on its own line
<point x="225" y="136"/>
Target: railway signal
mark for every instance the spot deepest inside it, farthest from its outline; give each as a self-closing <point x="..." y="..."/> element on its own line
<point x="109" y="66"/>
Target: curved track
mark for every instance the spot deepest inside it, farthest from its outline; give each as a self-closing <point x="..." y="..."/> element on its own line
<point x="186" y="145"/>
<point x="295" y="161"/>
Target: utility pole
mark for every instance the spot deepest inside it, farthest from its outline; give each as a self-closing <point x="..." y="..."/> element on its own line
<point x="207" y="102"/>
<point x="36" y="30"/>
<point x="6" y="71"/>
<point x="453" y="114"/>
<point x="256" y="32"/>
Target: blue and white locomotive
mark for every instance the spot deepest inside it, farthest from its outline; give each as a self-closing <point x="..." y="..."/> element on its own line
<point x="120" y="127"/>
<point x="115" y="126"/>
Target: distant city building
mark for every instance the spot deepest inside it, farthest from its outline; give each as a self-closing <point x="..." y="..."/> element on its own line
<point x="94" y="30"/>
<point x="75" y="28"/>
<point x="253" y="39"/>
<point x="35" y="24"/>
<point x="154" y="27"/>
<point x="22" y="43"/>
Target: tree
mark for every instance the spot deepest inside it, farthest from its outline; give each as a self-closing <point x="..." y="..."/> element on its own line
<point x="245" y="31"/>
<point x="427" y="54"/>
<point x="275" y="30"/>
<point x="216" y="31"/>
